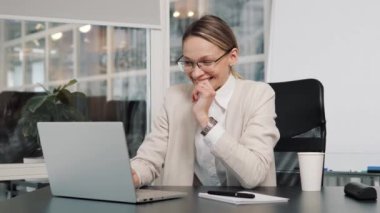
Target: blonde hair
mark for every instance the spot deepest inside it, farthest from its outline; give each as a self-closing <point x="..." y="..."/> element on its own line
<point x="213" y="29"/>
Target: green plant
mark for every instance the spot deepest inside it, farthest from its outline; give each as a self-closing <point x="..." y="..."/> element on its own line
<point x="58" y="104"/>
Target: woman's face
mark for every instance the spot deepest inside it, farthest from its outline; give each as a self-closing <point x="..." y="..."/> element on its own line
<point x="196" y="49"/>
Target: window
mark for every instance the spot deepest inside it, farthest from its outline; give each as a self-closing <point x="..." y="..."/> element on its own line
<point x="35" y="61"/>
<point x="109" y="63"/>
<point x="61" y="55"/>
<point x="13" y="65"/>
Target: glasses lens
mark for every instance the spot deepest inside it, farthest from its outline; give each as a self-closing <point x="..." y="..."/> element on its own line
<point x="181" y="66"/>
<point x="186" y="66"/>
<point x="206" y="65"/>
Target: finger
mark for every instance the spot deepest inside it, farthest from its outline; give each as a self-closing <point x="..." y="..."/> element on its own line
<point x="206" y="90"/>
<point x="203" y="88"/>
<point x="136" y="179"/>
<point x="194" y="98"/>
<point x="194" y="94"/>
<point x="205" y="84"/>
<point x="198" y="90"/>
<point x="208" y="85"/>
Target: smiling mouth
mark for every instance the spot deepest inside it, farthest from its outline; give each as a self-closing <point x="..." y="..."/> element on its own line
<point x="198" y="80"/>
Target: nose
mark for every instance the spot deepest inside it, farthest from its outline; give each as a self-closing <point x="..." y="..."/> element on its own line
<point x="196" y="72"/>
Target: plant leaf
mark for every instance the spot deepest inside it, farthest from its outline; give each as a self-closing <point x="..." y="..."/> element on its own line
<point x="57" y="89"/>
<point x="36" y="102"/>
<point x="77" y="97"/>
<point x="64" y="96"/>
<point x="71" y="82"/>
<point x="45" y="89"/>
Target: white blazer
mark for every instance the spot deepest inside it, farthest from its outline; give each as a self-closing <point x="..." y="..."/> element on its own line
<point x="245" y="149"/>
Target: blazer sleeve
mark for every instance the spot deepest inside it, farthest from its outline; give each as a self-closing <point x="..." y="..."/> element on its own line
<point x="151" y="154"/>
<point x="249" y="158"/>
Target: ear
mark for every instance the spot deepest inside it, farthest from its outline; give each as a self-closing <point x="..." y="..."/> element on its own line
<point x="234" y="55"/>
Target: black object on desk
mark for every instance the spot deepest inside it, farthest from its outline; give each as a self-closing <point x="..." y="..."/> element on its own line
<point x="360" y="191"/>
<point x="232" y="194"/>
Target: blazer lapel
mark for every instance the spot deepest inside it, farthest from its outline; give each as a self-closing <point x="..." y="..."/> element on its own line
<point x="234" y="110"/>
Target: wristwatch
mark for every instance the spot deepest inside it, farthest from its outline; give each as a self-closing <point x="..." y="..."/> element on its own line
<point x="211" y="123"/>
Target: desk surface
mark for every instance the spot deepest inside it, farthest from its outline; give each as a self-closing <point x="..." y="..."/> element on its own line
<point x="351" y="174"/>
<point x="330" y="199"/>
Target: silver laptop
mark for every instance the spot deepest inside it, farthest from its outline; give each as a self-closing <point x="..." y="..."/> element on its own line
<point x="90" y="160"/>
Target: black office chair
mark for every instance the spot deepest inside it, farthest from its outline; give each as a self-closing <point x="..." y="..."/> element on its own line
<point x="302" y="125"/>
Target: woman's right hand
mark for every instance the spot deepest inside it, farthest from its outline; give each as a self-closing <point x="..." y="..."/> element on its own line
<point x="203" y="95"/>
<point x="136" y="179"/>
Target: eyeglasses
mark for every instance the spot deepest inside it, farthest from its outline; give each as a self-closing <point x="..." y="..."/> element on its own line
<point x="206" y="65"/>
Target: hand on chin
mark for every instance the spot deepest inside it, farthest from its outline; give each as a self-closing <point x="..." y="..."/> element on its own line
<point x="209" y="80"/>
<point x="202" y="96"/>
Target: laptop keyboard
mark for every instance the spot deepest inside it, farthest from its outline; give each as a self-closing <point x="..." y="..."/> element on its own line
<point x="147" y="194"/>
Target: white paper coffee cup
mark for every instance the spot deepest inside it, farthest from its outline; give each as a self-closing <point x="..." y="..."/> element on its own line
<point x="311" y="167"/>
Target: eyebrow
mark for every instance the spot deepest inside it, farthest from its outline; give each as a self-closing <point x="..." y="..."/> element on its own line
<point x="201" y="58"/>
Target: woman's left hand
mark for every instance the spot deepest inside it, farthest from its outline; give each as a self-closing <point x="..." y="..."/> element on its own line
<point x="203" y="95"/>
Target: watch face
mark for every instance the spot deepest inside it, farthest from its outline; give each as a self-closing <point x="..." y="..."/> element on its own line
<point x="212" y="122"/>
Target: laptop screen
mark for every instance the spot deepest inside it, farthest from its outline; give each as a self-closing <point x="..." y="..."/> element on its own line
<point x="87" y="160"/>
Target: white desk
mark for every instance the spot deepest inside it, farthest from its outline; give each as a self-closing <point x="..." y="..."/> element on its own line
<point x="20" y="171"/>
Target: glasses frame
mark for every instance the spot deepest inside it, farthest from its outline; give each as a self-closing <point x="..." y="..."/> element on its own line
<point x="212" y="62"/>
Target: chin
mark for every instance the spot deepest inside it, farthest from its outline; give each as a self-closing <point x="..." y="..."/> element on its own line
<point x="213" y="83"/>
<point x="216" y="86"/>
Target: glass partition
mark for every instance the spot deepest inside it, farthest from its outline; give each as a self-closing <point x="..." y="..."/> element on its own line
<point x="129" y="49"/>
<point x="35" y="61"/>
<point x="61" y="55"/>
<point x="13" y="65"/>
<point x="109" y="64"/>
<point x="12" y="29"/>
<point x="93" y="88"/>
<point x="34" y="26"/>
<point x="92" y="50"/>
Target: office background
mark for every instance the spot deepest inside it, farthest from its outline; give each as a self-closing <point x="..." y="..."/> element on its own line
<point x="338" y="43"/>
<point x="132" y="56"/>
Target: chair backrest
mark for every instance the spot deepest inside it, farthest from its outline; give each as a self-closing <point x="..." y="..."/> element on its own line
<point x="302" y="125"/>
<point x="11" y="105"/>
<point x="133" y="115"/>
<point x="131" y="112"/>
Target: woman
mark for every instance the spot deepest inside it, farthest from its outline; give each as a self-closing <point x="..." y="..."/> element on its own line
<point x="220" y="130"/>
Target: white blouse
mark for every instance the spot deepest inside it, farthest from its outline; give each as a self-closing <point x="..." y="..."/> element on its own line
<point x="208" y="169"/>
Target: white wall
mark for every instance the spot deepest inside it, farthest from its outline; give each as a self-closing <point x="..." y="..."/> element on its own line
<point x="337" y="42"/>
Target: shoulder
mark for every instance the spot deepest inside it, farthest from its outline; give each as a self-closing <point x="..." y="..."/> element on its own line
<point x="249" y="96"/>
<point x="255" y="88"/>
<point x="179" y="89"/>
<point x="178" y="93"/>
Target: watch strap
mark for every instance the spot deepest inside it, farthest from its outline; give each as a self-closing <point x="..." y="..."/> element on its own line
<point x="211" y="123"/>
